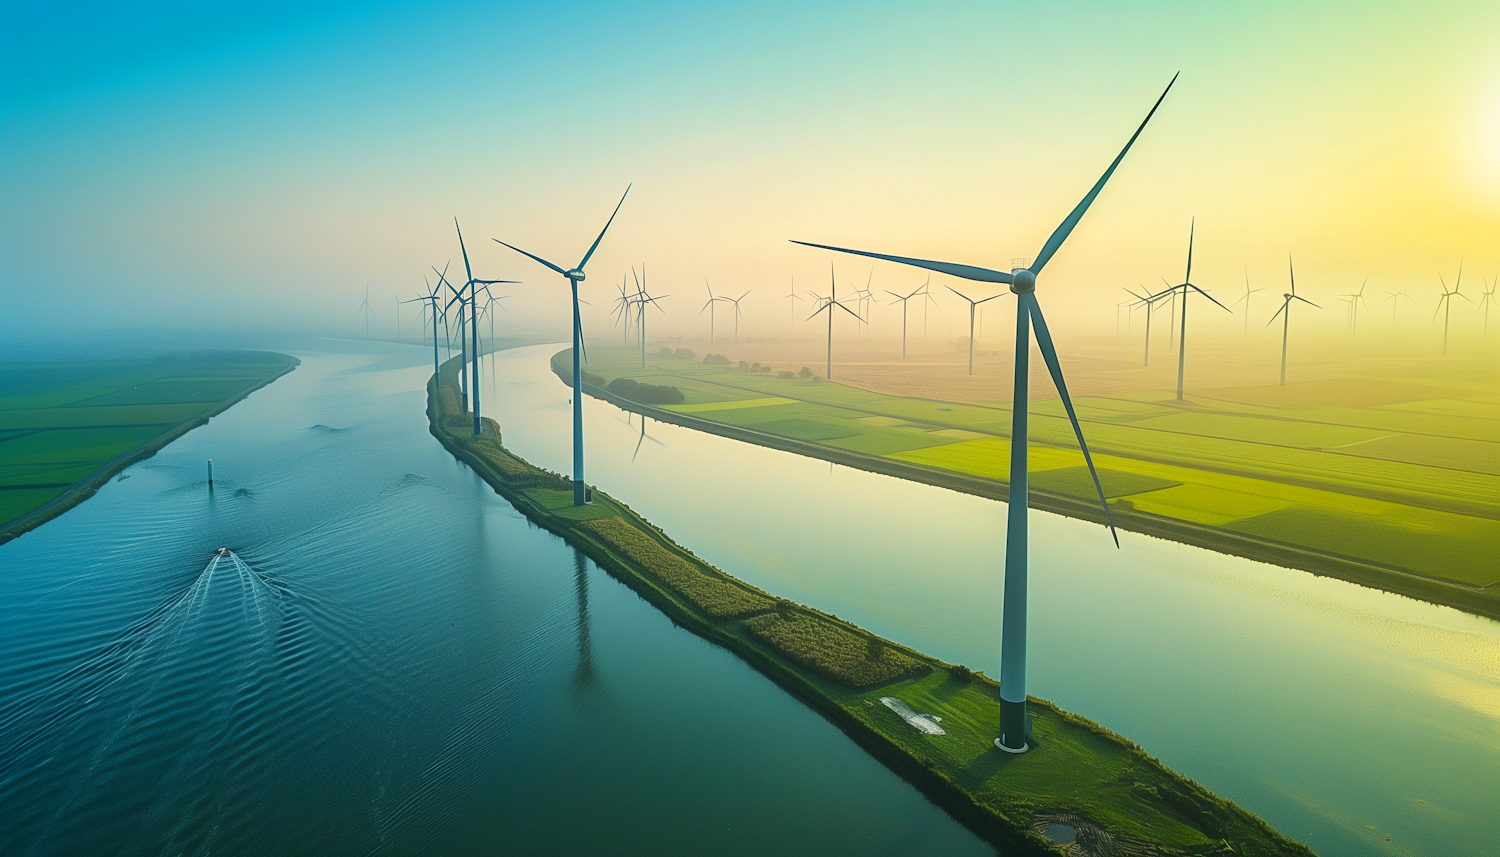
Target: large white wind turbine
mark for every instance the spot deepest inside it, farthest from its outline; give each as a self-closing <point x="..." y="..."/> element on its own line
<point x="1022" y="281"/>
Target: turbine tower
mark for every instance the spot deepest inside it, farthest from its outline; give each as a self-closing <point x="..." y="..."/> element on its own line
<point x="1187" y="287"/>
<point x="574" y="277"/>
<point x="828" y="304"/>
<point x="1022" y="281"/>
<point x="1445" y="301"/>
<point x="973" y="306"/>
<point x="1286" y="313"/>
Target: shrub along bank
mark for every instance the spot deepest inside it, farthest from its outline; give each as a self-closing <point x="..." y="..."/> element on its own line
<point x="1074" y="767"/>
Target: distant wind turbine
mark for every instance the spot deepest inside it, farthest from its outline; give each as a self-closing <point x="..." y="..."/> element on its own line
<point x="430" y="301"/>
<point x="904" y="299"/>
<point x="1149" y="301"/>
<point x="1286" y="313"/>
<point x="1186" y="287"/>
<point x="736" y="302"/>
<point x="1445" y="301"/>
<point x="973" y="306"/>
<point x="1022" y="281"/>
<point x="368" y="310"/>
<point x="1485" y="301"/>
<point x="1246" y="299"/>
<point x="642" y="299"/>
<point x="575" y="276"/>
<point x="828" y="304"/>
<point x="1395" y="299"/>
<point x="709" y="305"/>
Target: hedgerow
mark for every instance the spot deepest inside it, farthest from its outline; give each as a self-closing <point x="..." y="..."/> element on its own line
<point x="833" y="650"/>
<point x="715" y="596"/>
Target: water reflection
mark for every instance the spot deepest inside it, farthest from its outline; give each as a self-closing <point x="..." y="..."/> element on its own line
<point x="583" y="673"/>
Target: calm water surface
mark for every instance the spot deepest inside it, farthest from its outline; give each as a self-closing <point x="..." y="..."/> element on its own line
<point x="400" y="664"/>
<point x="1342" y="715"/>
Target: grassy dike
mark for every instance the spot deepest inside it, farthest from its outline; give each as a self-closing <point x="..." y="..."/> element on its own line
<point x="1122" y="800"/>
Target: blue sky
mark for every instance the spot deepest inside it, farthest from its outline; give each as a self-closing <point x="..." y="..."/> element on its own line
<point x="270" y="160"/>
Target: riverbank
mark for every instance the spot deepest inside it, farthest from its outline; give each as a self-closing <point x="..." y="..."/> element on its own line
<point x="276" y="365"/>
<point x="920" y="440"/>
<point x="1076" y="773"/>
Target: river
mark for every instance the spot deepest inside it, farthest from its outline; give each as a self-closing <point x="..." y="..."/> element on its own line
<point x="399" y="664"/>
<point x="1360" y="722"/>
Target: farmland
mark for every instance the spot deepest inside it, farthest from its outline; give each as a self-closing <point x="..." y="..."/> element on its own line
<point x="1396" y="475"/>
<point x="67" y="426"/>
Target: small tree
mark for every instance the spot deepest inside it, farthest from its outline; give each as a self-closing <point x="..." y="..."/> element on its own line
<point x="805" y="373"/>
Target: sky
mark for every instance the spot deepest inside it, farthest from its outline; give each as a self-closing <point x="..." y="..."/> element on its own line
<point x="262" y="164"/>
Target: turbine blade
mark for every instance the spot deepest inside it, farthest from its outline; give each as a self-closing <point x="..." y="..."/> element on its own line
<point x="1210" y="297"/>
<point x="595" y="245"/>
<point x="1306" y="301"/>
<point x="468" y="273"/>
<point x="957" y="292"/>
<point x="1188" y="277"/>
<point x="1049" y="355"/>
<point x="1061" y="233"/>
<point x="532" y="256"/>
<point x="848" y="310"/>
<point x="1284" y="305"/>
<point x="967" y="272"/>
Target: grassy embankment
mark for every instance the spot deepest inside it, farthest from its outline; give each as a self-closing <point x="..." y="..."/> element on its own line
<point x="66" y="428"/>
<point x="1392" y="485"/>
<point x="1076" y="769"/>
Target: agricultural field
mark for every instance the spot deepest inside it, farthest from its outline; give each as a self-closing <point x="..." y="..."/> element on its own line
<point x="1400" y="473"/>
<point x="62" y="423"/>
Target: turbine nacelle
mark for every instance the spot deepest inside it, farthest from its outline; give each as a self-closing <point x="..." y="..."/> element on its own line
<point x="576" y="275"/>
<point x="1023" y="281"/>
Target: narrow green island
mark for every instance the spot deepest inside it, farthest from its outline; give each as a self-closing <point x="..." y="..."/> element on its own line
<point x="1119" y="799"/>
<point x="68" y="427"/>
<point x="1392" y="485"/>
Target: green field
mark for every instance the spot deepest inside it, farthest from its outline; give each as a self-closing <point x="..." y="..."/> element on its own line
<point x="1399" y="476"/>
<point x="63" y="425"/>
<point x="1074" y="768"/>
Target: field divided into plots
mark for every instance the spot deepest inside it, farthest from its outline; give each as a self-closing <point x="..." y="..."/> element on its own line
<point x="62" y="421"/>
<point x="1400" y="475"/>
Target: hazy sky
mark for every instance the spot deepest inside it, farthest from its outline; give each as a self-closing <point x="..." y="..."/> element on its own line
<point x="254" y="163"/>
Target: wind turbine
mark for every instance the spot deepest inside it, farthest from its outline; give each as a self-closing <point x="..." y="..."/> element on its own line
<point x="1246" y="299"/>
<point x="928" y="301"/>
<point x="1286" y="313"/>
<point x="1187" y="287"/>
<point x="709" y="305"/>
<point x="736" y="302"/>
<point x="1395" y="299"/>
<point x="828" y="304"/>
<point x="973" y="305"/>
<point x="623" y="308"/>
<point x="642" y="299"/>
<point x="490" y="302"/>
<point x="368" y="310"/>
<point x="472" y="286"/>
<point x="1022" y="281"/>
<point x="1485" y="301"/>
<point x="1147" y="300"/>
<point x="575" y="276"/>
<point x="1445" y="301"/>
<point x="792" y="296"/>
<point x="430" y="300"/>
<point x="903" y="299"/>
